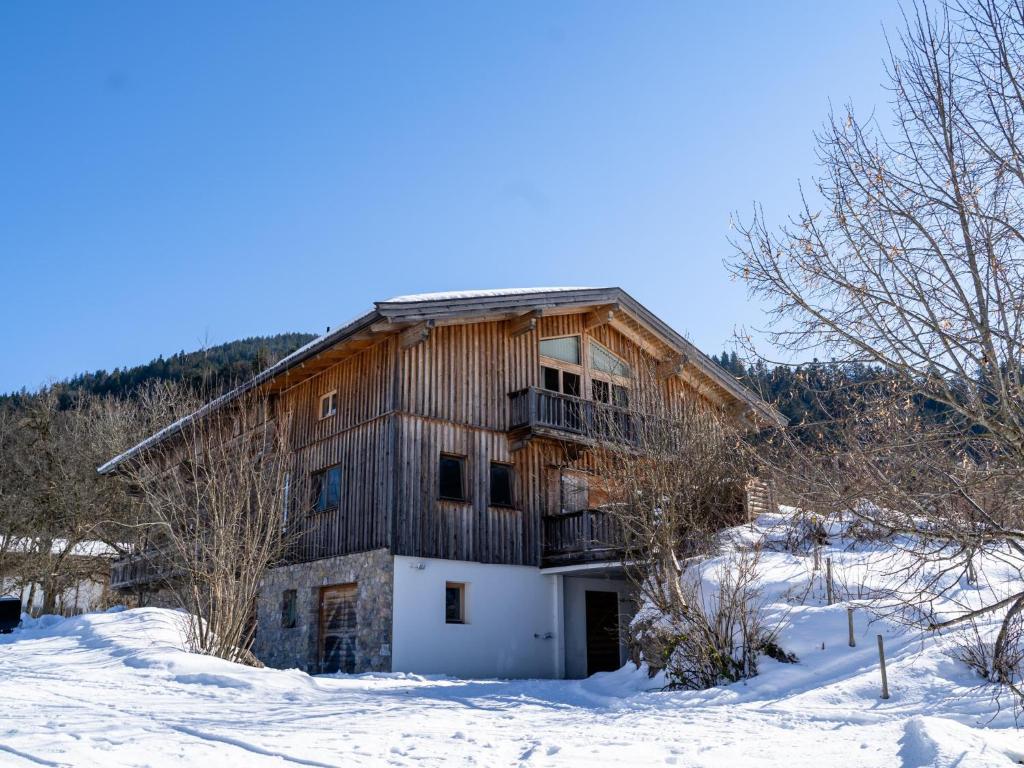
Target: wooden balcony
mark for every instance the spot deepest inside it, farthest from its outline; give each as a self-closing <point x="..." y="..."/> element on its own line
<point x="586" y="536"/>
<point x="145" y="569"/>
<point x="543" y="413"/>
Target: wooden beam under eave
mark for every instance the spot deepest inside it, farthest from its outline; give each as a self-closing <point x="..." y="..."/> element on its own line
<point x="635" y="336"/>
<point x="600" y="316"/>
<point x="417" y="334"/>
<point x="523" y="324"/>
<point x="674" y="366"/>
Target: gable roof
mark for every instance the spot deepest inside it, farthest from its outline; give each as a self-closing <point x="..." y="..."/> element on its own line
<point x="402" y="312"/>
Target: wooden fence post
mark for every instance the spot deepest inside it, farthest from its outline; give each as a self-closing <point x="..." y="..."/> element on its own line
<point x="849" y="620"/>
<point x="881" y="661"/>
<point x="817" y="557"/>
<point x="828" y="578"/>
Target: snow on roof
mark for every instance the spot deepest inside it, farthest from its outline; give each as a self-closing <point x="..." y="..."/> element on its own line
<point x="480" y="294"/>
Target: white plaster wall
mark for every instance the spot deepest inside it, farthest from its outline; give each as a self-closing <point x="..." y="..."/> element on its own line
<point x="575" y="610"/>
<point x="510" y="610"/>
<point x="83" y="597"/>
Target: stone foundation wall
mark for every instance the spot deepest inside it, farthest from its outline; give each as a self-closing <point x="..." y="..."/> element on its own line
<point x="297" y="647"/>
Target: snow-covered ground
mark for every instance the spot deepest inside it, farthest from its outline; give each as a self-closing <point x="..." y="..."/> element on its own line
<point x="115" y="689"/>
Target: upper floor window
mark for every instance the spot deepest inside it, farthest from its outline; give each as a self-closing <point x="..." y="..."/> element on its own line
<point x="327" y="489"/>
<point x="564" y="348"/>
<point x="557" y="380"/>
<point x="604" y="361"/>
<point x="452" y="477"/>
<point x="574" y="492"/>
<point x="286" y="499"/>
<point x="328" y="404"/>
<point x="606" y="392"/>
<point x="501" y="484"/>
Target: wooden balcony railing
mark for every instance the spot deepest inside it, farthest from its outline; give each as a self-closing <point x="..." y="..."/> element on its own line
<point x="588" y="535"/>
<point x="541" y="409"/>
<point x="141" y="569"/>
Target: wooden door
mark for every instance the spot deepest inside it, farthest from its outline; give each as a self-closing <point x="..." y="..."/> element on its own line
<point x="338" y="628"/>
<point x="602" y="631"/>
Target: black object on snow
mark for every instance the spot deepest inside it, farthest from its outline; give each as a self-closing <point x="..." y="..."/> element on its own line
<point x="10" y="614"/>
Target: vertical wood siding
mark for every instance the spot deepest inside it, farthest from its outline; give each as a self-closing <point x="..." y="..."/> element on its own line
<point x="398" y="410"/>
<point x="357" y="438"/>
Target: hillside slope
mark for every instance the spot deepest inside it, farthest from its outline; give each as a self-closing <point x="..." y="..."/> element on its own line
<point x="209" y="369"/>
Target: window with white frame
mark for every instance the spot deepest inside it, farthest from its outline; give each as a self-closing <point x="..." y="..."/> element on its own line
<point x="328" y="404"/>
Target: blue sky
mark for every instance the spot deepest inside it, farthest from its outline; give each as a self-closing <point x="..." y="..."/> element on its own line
<point x="182" y="174"/>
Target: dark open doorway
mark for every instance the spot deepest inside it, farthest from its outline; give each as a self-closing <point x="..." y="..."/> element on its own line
<point x="602" y="631"/>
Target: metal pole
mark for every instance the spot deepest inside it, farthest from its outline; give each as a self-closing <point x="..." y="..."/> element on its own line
<point x="849" y="620"/>
<point x="881" y="661"/>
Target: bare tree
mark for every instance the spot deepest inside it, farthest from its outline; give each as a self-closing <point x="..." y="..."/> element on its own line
<point x="213" y="499"/>
<point x="673" y="471"/>
<point x="910" y="255"/>
<point x="59" y="522"/>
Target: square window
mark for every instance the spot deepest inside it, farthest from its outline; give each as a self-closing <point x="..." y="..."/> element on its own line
<point x="600" y="391"/>
<point x="454" y="602"/>
<point x="289" y="609"/>
<point x="327" y="489"/>
<point x="328" y="404"/>
<point x="501" y="484"/>
<point x="575" y="493"/>
<point x="451" y="476"/>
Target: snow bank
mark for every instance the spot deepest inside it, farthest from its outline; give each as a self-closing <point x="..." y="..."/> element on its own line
<point x="117" y="689"/>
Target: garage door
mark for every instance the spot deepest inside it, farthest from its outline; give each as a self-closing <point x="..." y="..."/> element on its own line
<point x="338" y="628"/>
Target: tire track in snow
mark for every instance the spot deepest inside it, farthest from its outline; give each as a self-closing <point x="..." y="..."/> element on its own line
<point x="240" y="744"/>
<point x="31" y="758"/>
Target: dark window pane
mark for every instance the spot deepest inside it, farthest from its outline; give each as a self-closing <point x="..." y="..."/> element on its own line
<point x="289" y="608"/>
<point x="451" y="485"/>
<point x="551" y="378"/>
<point x="501" y="485"/>
<point x="601" y="391"/>
<point x="571" y="384"/>
<point x="575" y="494"/>
<point x="453" y="604"/>
<point x="620" y="396"/>
<point x="333" y="488"/>
<point x="566" y="348"/>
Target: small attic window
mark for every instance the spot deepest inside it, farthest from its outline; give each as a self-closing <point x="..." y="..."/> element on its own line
<point x="603" y="360"/>
<point x="564" y="348"/>
<point x="328" y="404"/>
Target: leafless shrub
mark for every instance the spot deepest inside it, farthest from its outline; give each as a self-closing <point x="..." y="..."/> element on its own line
<point x="59" y="521"/>
<point x="716" y="634"/>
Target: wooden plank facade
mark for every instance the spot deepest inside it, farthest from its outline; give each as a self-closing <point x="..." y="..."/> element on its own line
<point x="415" y="379"/>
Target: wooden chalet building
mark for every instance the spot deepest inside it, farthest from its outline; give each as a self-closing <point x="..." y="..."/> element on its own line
<point x="453" y="532"/>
